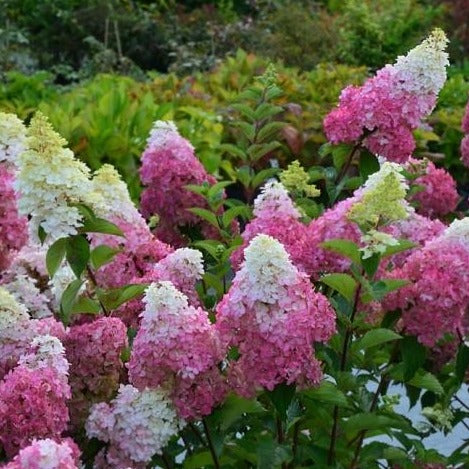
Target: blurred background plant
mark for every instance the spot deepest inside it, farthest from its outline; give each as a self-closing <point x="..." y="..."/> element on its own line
<point x="104" y="70"/>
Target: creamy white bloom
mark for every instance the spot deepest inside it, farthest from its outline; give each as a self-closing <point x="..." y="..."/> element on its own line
<point x="161" y="133"/>
<point x="268" y="266"/>
<point x="423" y="69"/>
<point x="110" y="197"/>
<point x="458" y="230"/>
<point x="138" y="423"/>
<point x="49" y="180"/>
<point x="11" y="312"/>
<point x="12" y="137"/>
<point x="60" y="281"/>
<point x="386" y="168"/>
<point x="185" y="263"/>
<point x="163" y="296"/>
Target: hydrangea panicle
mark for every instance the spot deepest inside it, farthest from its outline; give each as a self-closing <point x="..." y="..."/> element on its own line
<point x="273" y="316"/>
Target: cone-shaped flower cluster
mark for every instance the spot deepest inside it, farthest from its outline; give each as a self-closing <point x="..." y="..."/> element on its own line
<point x="273" y="317"/>
<point x="383" y="112"/>
<point x="168" y="165"/>
<point x="136" y="424"/>
<point x="12" y="139"/>
<point x="276" y="215"/>
<point x="177" y="347"/>
<point x="429" y="309"/>
<point x="33" y="396"/>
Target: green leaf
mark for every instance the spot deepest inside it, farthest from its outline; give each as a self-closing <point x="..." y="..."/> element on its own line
<point x="258" y="150"/>
<point x="245" y="111"/>
<point x="269" y="131"/>
<point x="462" y="362"/>
<point x="112" y="299"/>
<point x="247" y="129"/>
<point x="68" y="299"/>
<point x="266" y="110"/>
<point x="371" y="264"/>
<point x="85" y="305"/>
<point x="325" y="149"/>
<point x="381" y="288"/>
<point x="344" y="247"/>
<point x="233" y="409"/>
<point x="273" y="92"/>
<point x="197" y="189"/>
<point x="41" y="234"/>
<point x="261" y="176"/>
<point x="102" y="255"/>
<point x="210" y="245"/>
<point x="233" y="212"/>
<point x="198" y="460"/>
<point x="100" y="225"/>
<point x="426" y="380"/>
<point x="403" y="245"/>
<point x="413" y="356"/>
<point x="233" y="150"/>
<point x="377" y="337"/>
<point x="343" y="283"/>
<point x="370" y="421"/>
<point x="217" y="189"/>
<point x="368" y="164"/>
<point x="77" y="253"/>
<point x="340" y="154"/>
<point x="327" y="392"/>
<point x="55" y="255"/>
<point x="205" y="215"/>
<point x="281" y="396"/>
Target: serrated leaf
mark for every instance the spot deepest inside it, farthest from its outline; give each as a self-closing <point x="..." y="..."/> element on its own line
<point x="371" y="264"/>
<point x="233" y="150"/>
<point x="327" y="392"/>
<point x="247" y="129"/>
<point x="273" y="92"/>
<point x="413" y="356"/>
<point x="205" y="215"/>
<point x="234" y="212"/>
<point x="113" y="298"/>
<point x="370" y="421"/>
<point x="100" y="225"/>
<point x="85" y="305"/>
<point x="55" y="255"/>
<point x="344" y="247"/>
<point x="342" y="283"/>
<point x="269" y="131"/>
<point x="426" y="380"/>
<point x="245" y="111"/>
<point x="77" y="250"/>
<point x="102" y="255"/>
<point x="233" y="409"/>
<point x="266" y="110"/>
<point x="217" y="189"/>
<point x="403" y="245"/>
<point x="68" y="300"/>
<point x="261" y="176"/>
<point x="258" y="150"/>
<point x="377" y="337"/>
<point x="197" y="189"/>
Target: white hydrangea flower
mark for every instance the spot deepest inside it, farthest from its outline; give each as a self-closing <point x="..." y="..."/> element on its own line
<point x="275" y="197"/>
<point x="163" y="296"/>
<point x="49" y="180"/>
<point x="458" y="230"/>
<point x="47" y="453"/>
<point x="138" y="423"/>
<point x="12" y="138"/>
<point x="110" y="197"/>
<point x="268" y="266"/>
<point x="48" y="352"/>
<point x="61" y="280"/>
<point x="161" y="133"/>
<point x="376" y="242"/>
<point x="25" y="290"/>
<point x="185" y="262"/>
<point x="385" y="169"/>
<point x="11" y="312"/>
<point x="423" y="69"/>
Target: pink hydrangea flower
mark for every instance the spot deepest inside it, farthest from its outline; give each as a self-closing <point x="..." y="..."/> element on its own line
<point x="94" y="352"/>
<point x="168" y="165"/>
<point x="272" y="315"/>
<point x="33" y="396"/>
<point x="13" y="227"/>
<point x="439" y="195"/>
<point x="47" y="454"/>
<point x="276" y="215"/>
<point x="177" y="347"/>
<point x="384" y="111"/>
<point x="332" y="224"/>
<point x="430" y="311"/>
